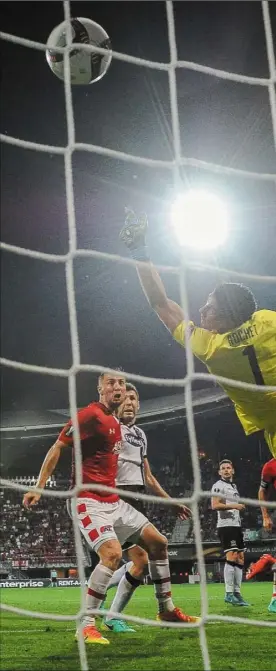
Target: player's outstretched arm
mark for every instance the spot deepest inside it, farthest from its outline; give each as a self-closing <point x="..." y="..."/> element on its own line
<point x="266" y="480"/>
<point x="47" y="469"/>
<point x="152" y="483"/>
<point x="170" y="313"/>
<point x="86" y="418"/>
<point x="267" y="520"/>
<point x="133" y="234"/>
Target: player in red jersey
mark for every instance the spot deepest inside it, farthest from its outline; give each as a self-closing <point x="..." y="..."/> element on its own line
<point x="268" y="480"/>
<point x="105" y="521"/>
<point x="265" y="562"/>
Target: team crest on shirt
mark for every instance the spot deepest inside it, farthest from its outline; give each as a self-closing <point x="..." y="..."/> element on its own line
<point x="117" y="447"/>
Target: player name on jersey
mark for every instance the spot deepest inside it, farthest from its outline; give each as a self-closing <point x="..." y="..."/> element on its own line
<point x="240" y="335"/>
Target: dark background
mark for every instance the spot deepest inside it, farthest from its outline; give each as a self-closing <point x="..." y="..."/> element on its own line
<point x="222" y="122"/>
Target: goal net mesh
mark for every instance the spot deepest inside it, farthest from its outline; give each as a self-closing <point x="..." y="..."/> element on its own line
<point x="67" y="259"/>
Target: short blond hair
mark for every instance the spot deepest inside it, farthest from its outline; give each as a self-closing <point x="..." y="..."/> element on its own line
<point x="116" y="370"/>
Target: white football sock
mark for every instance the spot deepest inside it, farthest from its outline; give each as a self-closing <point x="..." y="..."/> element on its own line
<point x="274" y="581"/>
<point x="237" y="578"/>
<point x="117" y="575"/>
<point x="160" y="574"/>
<point x="97" y="586"/>
<point x="229" y="571"/>
<point x="126" y="589"/>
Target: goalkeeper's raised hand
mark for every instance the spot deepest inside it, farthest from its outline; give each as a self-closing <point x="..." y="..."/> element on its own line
<point x="133" y="235"/>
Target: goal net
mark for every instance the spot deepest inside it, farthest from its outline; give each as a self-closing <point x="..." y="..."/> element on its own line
<point x="67" y="259"/>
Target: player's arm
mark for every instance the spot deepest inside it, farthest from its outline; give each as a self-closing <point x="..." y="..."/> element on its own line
<point x="217" y="503"/>
<point x="47" y="468"/>
<point x="202" y="342"/>
<point x="267" y="520"/>
<point x="133" y="235"/>
<point x="262" y="496"/>
<point x="170" y="313"/>
<point x="86" y="421"/>
<point x="153" y="484"/>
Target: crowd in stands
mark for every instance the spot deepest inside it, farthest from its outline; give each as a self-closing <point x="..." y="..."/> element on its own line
<point x="43" y="535"/>
<point x="37" y="536"/>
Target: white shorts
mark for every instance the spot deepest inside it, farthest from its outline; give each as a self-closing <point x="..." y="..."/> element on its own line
<point x="100" y="521"/>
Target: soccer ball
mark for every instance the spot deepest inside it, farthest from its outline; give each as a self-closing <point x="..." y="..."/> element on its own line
<point x="85" y="67"/>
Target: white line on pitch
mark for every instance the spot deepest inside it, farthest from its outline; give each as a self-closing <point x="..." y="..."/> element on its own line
<point x="25" y="631"/>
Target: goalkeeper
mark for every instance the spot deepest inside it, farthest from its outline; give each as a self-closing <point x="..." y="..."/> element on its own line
<point x="235" y="339"/>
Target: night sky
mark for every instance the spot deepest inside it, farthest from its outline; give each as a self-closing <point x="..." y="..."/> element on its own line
<point x="223" y="122"/>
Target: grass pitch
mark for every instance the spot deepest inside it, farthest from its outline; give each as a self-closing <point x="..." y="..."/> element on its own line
<point x="46" y="645"/>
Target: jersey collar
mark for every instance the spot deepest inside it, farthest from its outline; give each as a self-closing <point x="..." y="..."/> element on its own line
<point x="105" y="408"/>
<point x="228" y="482"/>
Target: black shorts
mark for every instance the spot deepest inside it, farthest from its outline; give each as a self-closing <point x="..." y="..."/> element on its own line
<point x="135" y="503"/>
<point x="231" y="539"/>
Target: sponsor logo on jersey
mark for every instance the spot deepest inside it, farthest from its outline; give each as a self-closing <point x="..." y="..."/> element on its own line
<point x="134" y="440"/>
<point x="111" y="431"/>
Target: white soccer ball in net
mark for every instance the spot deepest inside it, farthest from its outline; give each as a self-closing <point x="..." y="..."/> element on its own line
<point x="85" y="67"/>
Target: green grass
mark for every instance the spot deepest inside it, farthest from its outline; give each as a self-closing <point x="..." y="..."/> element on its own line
<point x="28" y="643"/>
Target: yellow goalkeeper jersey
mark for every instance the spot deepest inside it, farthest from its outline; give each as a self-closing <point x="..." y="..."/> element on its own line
<point x="248" y="354"/>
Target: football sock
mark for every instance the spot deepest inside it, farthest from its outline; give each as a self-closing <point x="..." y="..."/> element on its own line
<point x="97" y="586"/>
<point x="238" y="577"/>
<point x="126" y="589"/>
<point x="117" y="575"/>
<point x="274" y="581"/>
<point x="229" y="571"/>
<point x="159" y="571"/>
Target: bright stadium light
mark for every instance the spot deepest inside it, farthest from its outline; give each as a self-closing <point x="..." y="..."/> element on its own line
<point x="200" y="220"/>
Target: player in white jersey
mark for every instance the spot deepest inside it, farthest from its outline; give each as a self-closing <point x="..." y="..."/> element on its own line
<point x="53" y="576"/>
<point x="224" y="492"/>
<point x="134" y="474"/>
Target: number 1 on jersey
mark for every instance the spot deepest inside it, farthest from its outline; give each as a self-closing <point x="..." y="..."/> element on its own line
<point x="249" y="351"/>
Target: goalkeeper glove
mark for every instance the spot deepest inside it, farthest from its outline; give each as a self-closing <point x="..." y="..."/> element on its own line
<point x="133" y="235"/>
